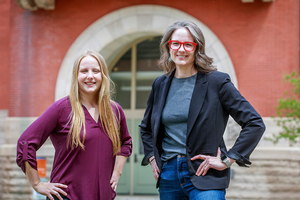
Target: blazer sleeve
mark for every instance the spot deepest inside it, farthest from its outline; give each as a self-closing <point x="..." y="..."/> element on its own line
<point x="35" y="136"/>
<point x="246" y="116"/>
<point x="146" y="128"/>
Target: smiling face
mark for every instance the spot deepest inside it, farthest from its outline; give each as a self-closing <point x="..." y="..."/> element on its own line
<point x="89" y="76"/>
<point x="181" y="57"/>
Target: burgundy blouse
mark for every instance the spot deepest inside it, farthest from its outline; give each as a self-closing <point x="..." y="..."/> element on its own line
<point x="86" y="172"/>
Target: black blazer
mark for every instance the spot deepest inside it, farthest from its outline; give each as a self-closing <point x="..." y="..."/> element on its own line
<point x="214" y="98"/>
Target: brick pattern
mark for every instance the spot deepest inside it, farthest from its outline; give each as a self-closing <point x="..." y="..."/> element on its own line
<point x="4" y="52"/>
<point x="109" y="35"/>
<point x="261" y="43"/>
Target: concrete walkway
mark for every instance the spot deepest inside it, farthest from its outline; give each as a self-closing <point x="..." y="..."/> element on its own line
<point x="149" y="197"/>
<point x="137" y="197"/>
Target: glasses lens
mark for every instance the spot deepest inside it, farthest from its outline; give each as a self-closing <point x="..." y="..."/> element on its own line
<point x="175" y="45"/>
<point x="189" y="46"/>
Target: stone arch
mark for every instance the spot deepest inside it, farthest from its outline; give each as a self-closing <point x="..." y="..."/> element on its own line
<point x="114" y="32"/>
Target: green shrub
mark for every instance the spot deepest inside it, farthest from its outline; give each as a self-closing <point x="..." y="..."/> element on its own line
<point x="288" y="111"/>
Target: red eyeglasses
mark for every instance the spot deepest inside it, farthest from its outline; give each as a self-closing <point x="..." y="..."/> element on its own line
<point x="188" y="46"/>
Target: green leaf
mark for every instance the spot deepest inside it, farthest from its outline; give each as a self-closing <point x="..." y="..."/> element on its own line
<point x="288" y="111"/>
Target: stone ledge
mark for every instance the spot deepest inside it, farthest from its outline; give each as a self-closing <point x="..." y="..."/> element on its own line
<point x="277" y="153"/>
<point x="36" y="4"/>
<point x="11" y="150"/>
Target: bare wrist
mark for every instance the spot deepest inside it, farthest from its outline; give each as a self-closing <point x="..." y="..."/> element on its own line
<point x="151" y="159"/>
<point x="34" y="185"/>
<point x="118" y="173"/>
<point x="231" y="160"/>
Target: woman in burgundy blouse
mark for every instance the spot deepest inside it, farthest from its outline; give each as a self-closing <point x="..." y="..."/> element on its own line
<point x="89" y="133"/>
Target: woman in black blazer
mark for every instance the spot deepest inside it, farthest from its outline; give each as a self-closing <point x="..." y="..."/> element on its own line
<point x="185" y="119"/>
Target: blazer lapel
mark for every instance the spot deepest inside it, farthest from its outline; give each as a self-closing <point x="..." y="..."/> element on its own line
<point x="197" y="100"/>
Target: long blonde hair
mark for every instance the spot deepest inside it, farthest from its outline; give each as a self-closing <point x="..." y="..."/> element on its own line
<point x="107" y="116"/>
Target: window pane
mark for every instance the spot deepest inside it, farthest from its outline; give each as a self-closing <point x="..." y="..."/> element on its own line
<point x="147" y="56"/>
<point x="121" y="75"/>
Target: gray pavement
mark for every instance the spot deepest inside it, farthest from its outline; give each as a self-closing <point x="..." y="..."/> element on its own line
<point x="149" y="197"/>
<point x="137" y="197"/>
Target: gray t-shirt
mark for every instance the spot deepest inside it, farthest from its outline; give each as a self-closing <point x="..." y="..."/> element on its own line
<point x="175" y="116"/>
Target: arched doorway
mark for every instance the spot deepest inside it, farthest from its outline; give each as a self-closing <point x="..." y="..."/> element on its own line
<point x="118" y="35"/>
<point x="114" y="32"/>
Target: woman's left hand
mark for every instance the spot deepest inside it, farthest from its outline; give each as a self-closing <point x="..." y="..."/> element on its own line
<point x="209" y="162"/>
<point x="114" y="180"/>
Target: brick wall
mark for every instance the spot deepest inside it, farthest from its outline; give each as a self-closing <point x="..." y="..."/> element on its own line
<point x="261" y="38"/>
<point x="4" y="52"/>
<point x="262" y="43"/>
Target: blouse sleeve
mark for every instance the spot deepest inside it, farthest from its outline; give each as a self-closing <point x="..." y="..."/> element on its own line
<point x="35" y="136"/>
<point x="126" y="143"/>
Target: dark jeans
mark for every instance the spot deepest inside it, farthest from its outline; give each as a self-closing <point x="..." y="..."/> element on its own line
<point x="55" y="197"/>
<point x="175" y="183"/>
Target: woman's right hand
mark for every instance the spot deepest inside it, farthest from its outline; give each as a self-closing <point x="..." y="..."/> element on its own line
<point x="154" y="167"/>
<point x="47" y="189"/>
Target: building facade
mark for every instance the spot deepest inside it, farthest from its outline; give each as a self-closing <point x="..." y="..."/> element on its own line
<point x="255" y="42"/>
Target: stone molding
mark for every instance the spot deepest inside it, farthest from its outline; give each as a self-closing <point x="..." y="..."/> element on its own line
<point x="36" y="4"/>
<point x="116" y="31"/>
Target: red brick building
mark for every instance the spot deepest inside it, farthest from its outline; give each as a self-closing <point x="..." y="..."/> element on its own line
<point x="262" y="40"/>
<point x="255" y="41"/>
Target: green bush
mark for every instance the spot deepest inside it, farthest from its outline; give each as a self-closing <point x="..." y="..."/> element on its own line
<point x="288" y="111"/>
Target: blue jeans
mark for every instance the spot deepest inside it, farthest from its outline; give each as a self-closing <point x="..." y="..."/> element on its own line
<point x="175" y="183"/>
